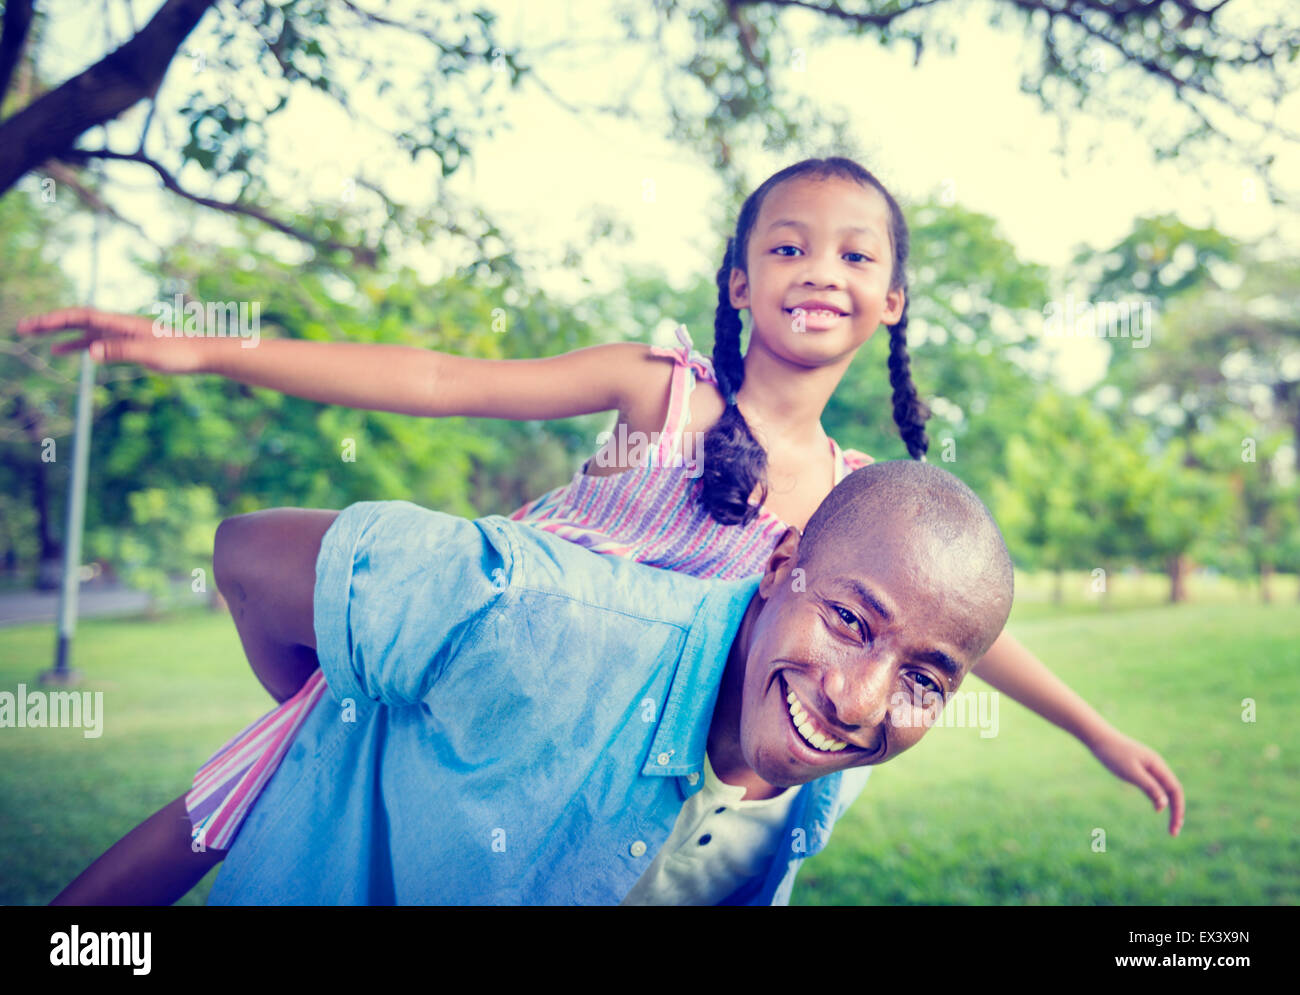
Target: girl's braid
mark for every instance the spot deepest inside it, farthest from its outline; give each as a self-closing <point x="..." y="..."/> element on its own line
<point x="910" y="412"/>
<point x="734" y="463"/>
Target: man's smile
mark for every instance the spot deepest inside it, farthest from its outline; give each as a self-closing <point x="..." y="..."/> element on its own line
<point x="809" y="732"/>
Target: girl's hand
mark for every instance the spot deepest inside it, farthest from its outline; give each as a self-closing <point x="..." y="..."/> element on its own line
<point x="117" y="338"/>
<point x="1135" y="762"/>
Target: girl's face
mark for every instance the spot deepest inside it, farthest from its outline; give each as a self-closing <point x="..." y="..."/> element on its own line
<point x="820" y="261"/>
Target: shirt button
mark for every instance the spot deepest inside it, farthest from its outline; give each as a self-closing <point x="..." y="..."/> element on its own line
<point x="705" y="838"/>
<point x="637" y="849"/>
<point x="662" y="760"/>
<point x="692" y="778"/>
<point x="720" y="810"/>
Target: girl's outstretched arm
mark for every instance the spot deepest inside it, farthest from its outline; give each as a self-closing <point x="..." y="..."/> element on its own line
<point x="404" y="379"/>
<point x="1016" y="672"/>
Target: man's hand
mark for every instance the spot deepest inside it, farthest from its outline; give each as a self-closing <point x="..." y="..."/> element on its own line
<point x="117" y="338"/>
<point x="1139" y="764"/>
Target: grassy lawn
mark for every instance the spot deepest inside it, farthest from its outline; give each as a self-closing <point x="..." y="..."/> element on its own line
<point x="174" y="691"/>
<point x="1007" y="819"/>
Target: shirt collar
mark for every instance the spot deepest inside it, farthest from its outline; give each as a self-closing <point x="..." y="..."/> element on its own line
<point x="683" y="733"/>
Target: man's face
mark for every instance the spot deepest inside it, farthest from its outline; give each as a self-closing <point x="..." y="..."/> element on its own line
<point x="857" y="650"/>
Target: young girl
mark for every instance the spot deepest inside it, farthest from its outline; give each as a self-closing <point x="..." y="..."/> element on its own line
<point x="818" y="258"/>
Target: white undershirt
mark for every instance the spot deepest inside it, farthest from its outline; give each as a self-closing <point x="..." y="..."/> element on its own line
<point x="717" y="843"/>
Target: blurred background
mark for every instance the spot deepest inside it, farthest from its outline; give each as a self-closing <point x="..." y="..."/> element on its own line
<point x="513" y="180"/>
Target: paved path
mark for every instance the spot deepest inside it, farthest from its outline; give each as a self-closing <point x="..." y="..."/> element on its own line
<point x="20" y="607"/>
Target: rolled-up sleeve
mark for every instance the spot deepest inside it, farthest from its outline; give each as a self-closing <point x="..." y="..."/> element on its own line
<point x="399" y="590"/>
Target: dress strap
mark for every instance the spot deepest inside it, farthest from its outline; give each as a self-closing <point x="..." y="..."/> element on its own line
<point x="847" y="460"/>
<point x="690" y="365"/>
<point x="685" y="355"/>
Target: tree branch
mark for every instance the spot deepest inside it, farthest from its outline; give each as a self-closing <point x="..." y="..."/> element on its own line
<point x="61" y="173"/>
<point x="361" y="255"/>
<point x="832" y="9"/>
<point x="1072" y="11"/>
<point x="50" y="125"/>
<point x="18" y="19"/>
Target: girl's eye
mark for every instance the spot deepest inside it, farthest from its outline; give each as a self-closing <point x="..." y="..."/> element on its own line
<point x="861" y="257"/>
<point x="790" y="247"/>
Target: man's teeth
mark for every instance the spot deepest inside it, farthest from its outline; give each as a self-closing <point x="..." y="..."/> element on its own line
<point x="803" y="722"/>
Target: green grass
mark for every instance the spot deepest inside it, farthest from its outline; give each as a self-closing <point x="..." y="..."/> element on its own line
<point x="959" y="819"/>
<point x="174" y="691"/>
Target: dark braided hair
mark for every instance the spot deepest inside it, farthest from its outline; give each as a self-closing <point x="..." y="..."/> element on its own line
<point x="734" y="462"/>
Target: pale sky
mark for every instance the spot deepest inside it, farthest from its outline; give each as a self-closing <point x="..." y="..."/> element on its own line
<point x="954" y="123"/>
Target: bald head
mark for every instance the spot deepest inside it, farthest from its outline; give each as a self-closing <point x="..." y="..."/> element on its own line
<point x="928" y="511"/>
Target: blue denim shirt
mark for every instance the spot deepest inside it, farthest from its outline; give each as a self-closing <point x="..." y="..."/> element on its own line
<point x="514" y="720"/>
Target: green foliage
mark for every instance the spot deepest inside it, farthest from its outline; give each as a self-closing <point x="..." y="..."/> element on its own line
<point x="168" y="542"/>
<point x="33" y="385"/>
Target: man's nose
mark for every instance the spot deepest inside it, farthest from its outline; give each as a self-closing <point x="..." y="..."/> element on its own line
<point x="859" y="692"/>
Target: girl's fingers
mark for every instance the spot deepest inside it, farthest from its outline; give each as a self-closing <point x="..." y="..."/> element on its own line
<point x="55" y="321"/>
<point x="62" y="348"/>
<point x="85" y="319"/>
<point x="1175" y="790"/>
<point x="1148" y="784"/>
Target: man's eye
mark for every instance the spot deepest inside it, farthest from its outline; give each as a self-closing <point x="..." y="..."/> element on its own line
<point x="849" y="618"/>
<point x="930" y="684"/>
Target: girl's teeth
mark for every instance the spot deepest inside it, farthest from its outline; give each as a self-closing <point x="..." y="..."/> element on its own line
<point x="804" y="724"/>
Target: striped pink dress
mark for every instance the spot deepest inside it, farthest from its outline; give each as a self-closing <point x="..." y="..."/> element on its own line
<point x="650" y="513"/>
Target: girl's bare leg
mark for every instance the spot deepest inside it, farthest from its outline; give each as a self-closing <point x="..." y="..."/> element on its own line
<point x="153" y="864"/>
<point x="265" y="567"/>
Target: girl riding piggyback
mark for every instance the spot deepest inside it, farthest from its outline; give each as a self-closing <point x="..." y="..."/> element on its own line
<point x="818" y="259"/>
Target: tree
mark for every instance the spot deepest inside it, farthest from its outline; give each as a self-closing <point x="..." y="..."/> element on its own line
<point x="1263" y="524"/>
<point x="32" y="387"/>
<point x="288" y="45"/>
<point x="1221" y="64"/>
<point x="1065" y="500"/>
<point x="722" y="66"/>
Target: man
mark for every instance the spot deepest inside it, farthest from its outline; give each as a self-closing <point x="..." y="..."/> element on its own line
<point x="521" y="721"/>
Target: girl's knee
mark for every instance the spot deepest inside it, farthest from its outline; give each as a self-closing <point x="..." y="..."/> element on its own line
<point x="267" y="559"/>
<point x="238" y="550"/>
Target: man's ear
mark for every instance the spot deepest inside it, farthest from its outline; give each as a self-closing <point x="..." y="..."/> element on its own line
<point x="739" y="288"/>
<point x="781" y="563"/>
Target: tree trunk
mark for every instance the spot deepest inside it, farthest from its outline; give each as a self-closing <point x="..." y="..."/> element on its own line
<point x="1265" y="583"/>
<point x="1177" y="567"/>
<point x="1058" y="588"/>
<point x="51" y="125"/>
